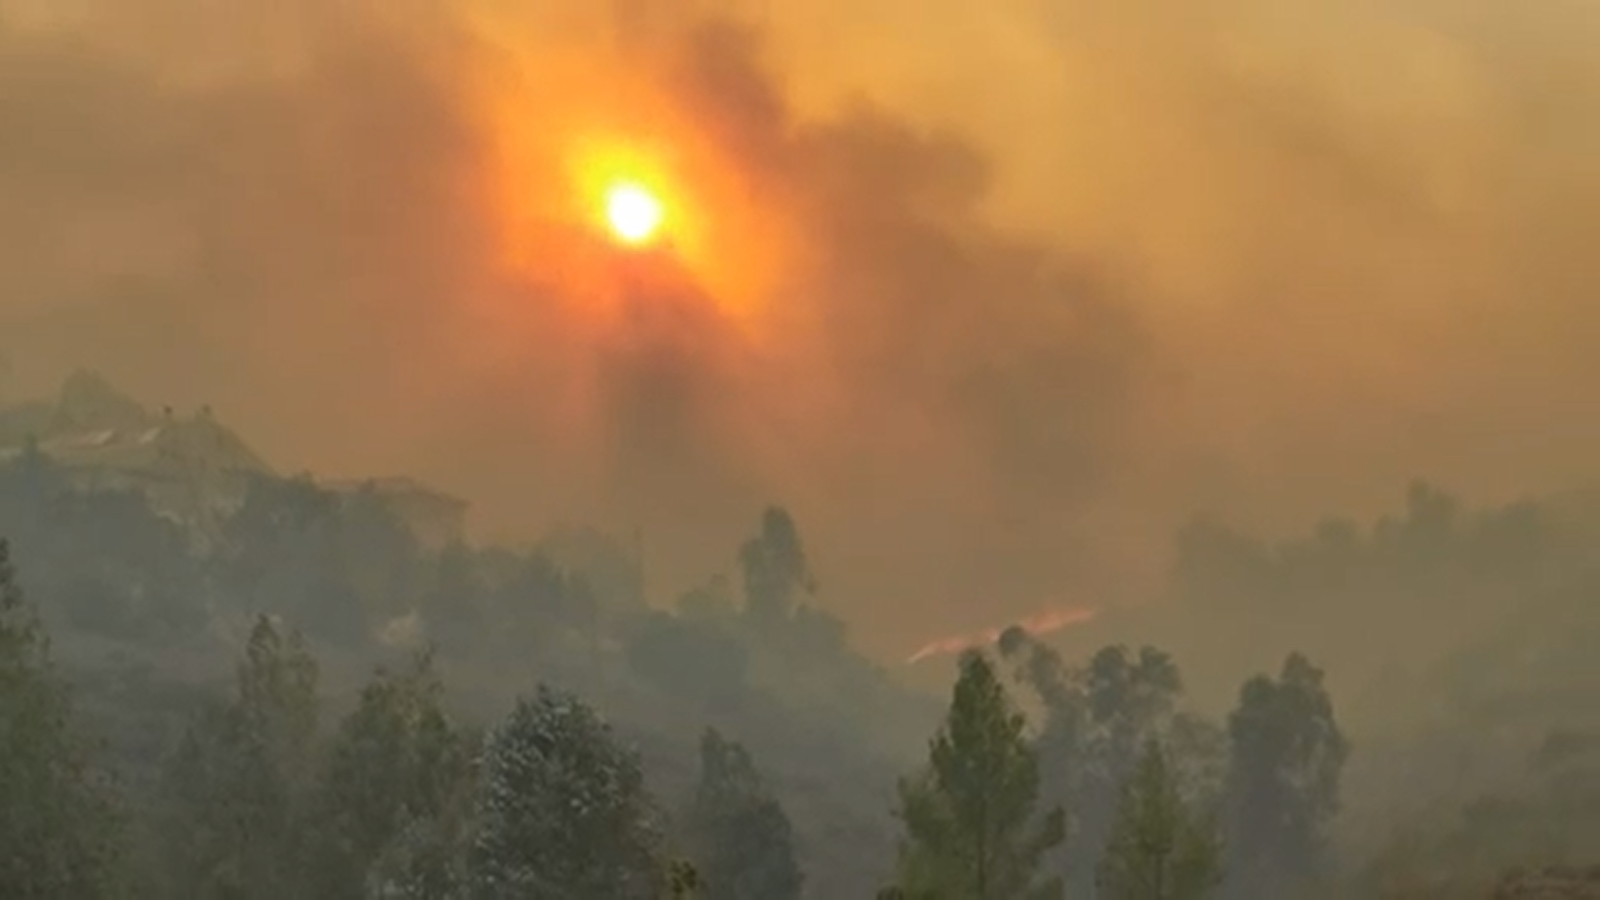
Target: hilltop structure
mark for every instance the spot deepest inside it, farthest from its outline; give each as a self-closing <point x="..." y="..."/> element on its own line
<point x="191" y="468"/>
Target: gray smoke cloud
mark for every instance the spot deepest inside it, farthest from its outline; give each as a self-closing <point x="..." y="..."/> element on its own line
<point x="1051" y="274"/>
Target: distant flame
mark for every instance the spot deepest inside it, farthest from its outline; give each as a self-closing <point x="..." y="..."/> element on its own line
<point x="1036" y="624"/>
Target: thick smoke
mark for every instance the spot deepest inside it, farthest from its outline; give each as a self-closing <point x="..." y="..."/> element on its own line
<point x="1050" y="273"/>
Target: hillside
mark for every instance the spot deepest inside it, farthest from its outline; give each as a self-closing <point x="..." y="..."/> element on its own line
<point x="151" y="541"/>
<point x="191" y="468"/>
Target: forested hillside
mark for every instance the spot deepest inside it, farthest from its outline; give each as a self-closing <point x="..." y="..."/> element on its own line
<point x="315" y="690"/>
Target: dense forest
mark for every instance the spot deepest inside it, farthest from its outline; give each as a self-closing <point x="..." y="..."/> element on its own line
<point x="221" y="682"/>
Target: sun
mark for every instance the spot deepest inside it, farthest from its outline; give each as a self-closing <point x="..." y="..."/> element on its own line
<point x="634" y="213"/>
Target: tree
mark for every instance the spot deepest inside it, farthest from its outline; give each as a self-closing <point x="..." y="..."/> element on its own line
<point x="1288" y="755"/>
<point x="739" y="836"/>
<point x="683" y="880"/>
<point x="534" y="602"/>
<point x="1098" y="717"/>
<point x="1551" y="817"/>
<point x="970" y="816"/>
<point x="283" y="546"/>
<point x="100" y="561"/>
<point x="58" y="825"/>
<point x="1130" y="700"/>
<point x="451" y="600"/>
<point x="1159" y="849"/>
<point x="563" y="810"/>
<point x="391" y="808"/>
<point x="776" y="571"/>
<point x="381" y="554"/>
<point x="238" y="783"/>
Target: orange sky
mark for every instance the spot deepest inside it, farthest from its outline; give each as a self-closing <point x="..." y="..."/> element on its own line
<point x="989" y="294"/>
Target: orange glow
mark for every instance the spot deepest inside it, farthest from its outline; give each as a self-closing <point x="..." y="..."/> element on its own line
<point x="1036" y="625"/>
<point x="627" y="190"/>
<point x="590" y="158"/>
<point x="634" y="212"/>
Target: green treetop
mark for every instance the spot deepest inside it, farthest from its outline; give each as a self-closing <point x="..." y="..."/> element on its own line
<point x="1159" y="849"/>
<point x="971" y="830"/>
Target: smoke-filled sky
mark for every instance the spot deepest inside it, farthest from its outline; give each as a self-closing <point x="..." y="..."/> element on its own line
<point x="987" y="294"/>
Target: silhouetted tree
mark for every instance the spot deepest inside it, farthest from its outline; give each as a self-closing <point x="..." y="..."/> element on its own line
<point x="391" y="807"/>
<point x="1098" y="718"/>
<point x="1159" y="848"/>
<point x="1288" y="755"/>
<point x="970" y="829"/>
<point x="776" y="572"/>
<point x="683" y="881"/>
<point x="238" y="783"/>
<point x="736" y="831"/>
<point x="58" y="825"/>
<point x="281" y="551"/>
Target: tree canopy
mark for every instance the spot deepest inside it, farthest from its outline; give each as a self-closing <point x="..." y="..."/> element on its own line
<point x="738" y="835"/>
<point x="1159" y="847"/>
<point x="972" y="828"/>
<point x="563" y="811"/>
<point x="58" y="823"/>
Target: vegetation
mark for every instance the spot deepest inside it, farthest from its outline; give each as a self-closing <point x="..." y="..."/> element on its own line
<point x="418" y="717"/>
<point x="1283" y="780"/>
<point x="969" y="817"/>
<point x="238" y="786"/>
<point x="738" y="834"/>
<point x="395" y="793"/>
<point x="57" y="826"/>
<point x="1159" y="847"/>
<point x="563" y="811"/>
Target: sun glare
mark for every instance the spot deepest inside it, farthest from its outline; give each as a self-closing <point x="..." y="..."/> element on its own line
<point x="615" y="184"/>
<point x="634" y="213"/>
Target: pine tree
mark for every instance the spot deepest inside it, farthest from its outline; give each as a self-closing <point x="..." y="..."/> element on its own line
<point x="1159" y="848"/>
<point x="58" y="824"/>
<point x="969" y="817"/>
<point x="391" y="809"/>
<point x="238" y="783"/>
<point x="563" y="811"/>
<point x="737" y="832"/>
<point x="776" y="572"/>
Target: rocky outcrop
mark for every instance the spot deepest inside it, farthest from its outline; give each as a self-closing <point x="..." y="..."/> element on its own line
<point x="1557" y="883"/>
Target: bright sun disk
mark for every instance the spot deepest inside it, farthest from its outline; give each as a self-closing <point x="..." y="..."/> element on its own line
<point x="633" y="212"/>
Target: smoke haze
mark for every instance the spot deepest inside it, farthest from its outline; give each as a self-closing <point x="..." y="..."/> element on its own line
<point x="988" y="295"/>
